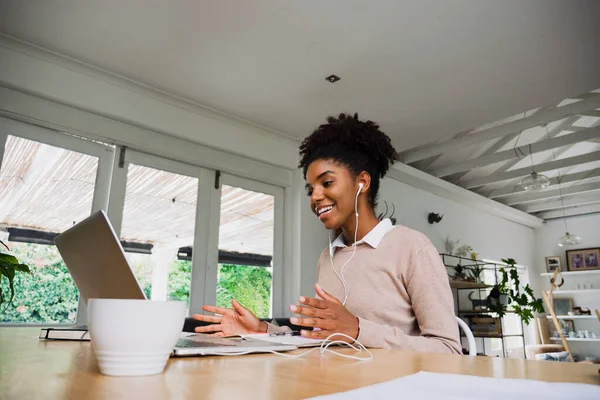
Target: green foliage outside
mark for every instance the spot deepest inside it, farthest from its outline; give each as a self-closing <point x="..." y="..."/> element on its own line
<point x="49" y="295"/>
<point x="251" y="286"/>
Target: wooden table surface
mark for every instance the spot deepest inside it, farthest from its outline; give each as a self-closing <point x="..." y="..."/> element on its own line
<point x="31" y="368"/>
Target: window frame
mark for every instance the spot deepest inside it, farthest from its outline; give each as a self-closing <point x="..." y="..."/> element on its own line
<point x="210" y="279"/>
<point x="105" y="154"/>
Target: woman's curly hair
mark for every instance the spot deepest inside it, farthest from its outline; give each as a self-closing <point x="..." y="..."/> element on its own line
<point x="358" y="145"/>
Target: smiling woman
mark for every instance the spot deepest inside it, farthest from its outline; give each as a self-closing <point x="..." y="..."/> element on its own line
<point x="382" y="285"/>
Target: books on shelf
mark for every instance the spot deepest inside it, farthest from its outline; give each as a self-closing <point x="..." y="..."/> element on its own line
<point x="71" y="333"/>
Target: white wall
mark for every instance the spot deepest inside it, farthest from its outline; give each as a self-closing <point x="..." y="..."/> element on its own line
<point x="492" y="237"/>
<point x="586" y="227"/>
<point x="48" y="76"/>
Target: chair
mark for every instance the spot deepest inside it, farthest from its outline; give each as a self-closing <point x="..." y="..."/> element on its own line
<point x="470" y="338"/>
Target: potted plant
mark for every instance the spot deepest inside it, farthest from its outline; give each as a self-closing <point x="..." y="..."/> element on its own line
<point x="475" y="273"/>
<point x="505" y="294"/>
<point x="9" y="266"/>
<point x="458" y="272"/>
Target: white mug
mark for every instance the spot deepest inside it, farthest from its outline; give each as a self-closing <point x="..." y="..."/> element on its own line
<point x="134" y="337"/>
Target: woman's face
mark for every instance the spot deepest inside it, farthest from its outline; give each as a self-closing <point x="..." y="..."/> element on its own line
<point x="332" y="191"/>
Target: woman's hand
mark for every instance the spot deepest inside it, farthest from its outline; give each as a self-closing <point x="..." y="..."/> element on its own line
<point x="231" y="321"/>
<point x="328" y="314"/>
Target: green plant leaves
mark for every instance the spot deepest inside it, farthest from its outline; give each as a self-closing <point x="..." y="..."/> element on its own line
<point x="523" y="304"/>
<point x="9" y="266"/>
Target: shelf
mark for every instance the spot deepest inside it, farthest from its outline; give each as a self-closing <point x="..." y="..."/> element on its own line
<point x="468" y="285"/>
<point x="576" y="340"/>
<point x="571" y="273"/>
<point x="574" y="291"/>
<point x="573" y="317"/>
<point x="481" y="263"/>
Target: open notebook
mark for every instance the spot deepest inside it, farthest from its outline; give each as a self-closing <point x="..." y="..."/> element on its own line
<point x="298" y="341"/>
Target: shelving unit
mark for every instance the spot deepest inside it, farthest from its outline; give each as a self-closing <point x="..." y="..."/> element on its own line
<point x="573" y="317"/>
<point x="575" y="291"/>
<point x="468" y="285"/>
<point x="482" y="290"/>
<point x="576" y="273"/>
<point x="587" y="298"/>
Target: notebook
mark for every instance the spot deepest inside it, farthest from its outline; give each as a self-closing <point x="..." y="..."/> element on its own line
<point x="297" y="341"/>
<point x="74" y="333"/>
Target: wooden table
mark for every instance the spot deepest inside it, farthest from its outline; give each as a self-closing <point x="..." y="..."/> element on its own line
<point x="32" y="369"/>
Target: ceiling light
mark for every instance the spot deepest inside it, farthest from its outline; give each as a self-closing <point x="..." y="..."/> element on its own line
<point x="569" y="240"/>
<point x="333" y="78"/>
<point x="534" y="181"/>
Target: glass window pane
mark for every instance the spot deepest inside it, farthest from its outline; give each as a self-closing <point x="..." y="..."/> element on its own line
<point x="43" y="191"/>
<point x="246" y="250"/>
<point x="158" y="219"/>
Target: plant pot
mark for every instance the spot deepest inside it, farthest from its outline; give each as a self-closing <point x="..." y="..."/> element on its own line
<point x="503" y="299"/>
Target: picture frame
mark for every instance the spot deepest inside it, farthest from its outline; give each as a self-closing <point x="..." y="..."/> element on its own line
<point x="562" y="306"/>
<point x="553" y="263"/>
<point x="583" y="259"/>
<point x="566" y="324"/>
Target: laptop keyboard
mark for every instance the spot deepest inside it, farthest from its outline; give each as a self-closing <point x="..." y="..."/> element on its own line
<point x="198" y="343"/>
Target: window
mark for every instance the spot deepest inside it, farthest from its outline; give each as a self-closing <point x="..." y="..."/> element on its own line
<point x="160" y="209"/>
<point x="44" y="189"/>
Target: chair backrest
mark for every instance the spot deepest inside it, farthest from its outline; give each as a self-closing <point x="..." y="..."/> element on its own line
<point x="470" y="338"/>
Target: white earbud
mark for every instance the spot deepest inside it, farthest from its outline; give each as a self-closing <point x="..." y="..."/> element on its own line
<point x="360" y="186"/>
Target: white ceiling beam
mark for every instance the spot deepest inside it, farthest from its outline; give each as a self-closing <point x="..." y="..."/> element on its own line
<point x="572" y="201"/>
<point x="570" y="212"/>
<point x="592" y="113"/>
<point x="581" y="135"/>
<point x="422" y="180"/>
<point x="548" y="166"/>
<point x="551" y="133"/>
<point x="494" y="148"/>
<point x="507" y="191"/>
<point x="529" y="197"/>
<point x="538" y="118"/>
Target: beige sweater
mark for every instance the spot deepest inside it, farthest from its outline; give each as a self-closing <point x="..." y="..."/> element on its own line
<point x="399" y="291"/>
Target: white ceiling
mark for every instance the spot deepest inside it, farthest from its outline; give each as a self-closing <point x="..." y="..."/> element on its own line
<point x="424" y="69"/>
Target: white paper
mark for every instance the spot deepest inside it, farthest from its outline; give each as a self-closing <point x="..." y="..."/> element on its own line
<point x="434" y="386"/>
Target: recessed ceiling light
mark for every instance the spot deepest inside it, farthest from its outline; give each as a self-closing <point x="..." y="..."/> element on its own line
<point x="333" y="78"/>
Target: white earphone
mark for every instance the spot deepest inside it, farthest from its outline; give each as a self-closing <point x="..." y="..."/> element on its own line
<point x="341" y="274"/>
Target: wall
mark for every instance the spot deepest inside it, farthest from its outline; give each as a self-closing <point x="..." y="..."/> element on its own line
<point x="547" y="237"/>
<point x="52" y="77"/>
<point x="492" y="237"/>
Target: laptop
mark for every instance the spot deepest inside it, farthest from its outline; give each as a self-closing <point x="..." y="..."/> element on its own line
<point x="96" y="260"/>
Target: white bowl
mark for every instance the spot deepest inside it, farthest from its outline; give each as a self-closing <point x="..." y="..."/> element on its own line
<point x="134" y="337"/>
